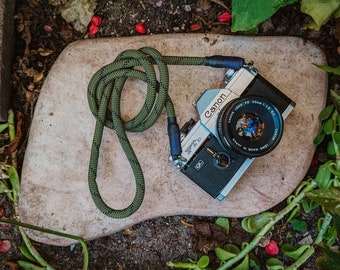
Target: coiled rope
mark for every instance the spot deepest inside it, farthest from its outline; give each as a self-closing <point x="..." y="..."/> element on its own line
<point x="104" y="94"/>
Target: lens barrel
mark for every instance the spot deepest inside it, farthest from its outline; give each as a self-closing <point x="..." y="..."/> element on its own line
<point x="250" y="126"/>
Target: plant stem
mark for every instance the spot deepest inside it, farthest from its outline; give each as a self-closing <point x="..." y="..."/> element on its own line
<point x="267" y="227"/>
<point x="323" y="229"/>
<point x="36" y="228"/>
<point x="302" y="259"/>
<point x="28" y="242"/>
<point x="11" y="125"/>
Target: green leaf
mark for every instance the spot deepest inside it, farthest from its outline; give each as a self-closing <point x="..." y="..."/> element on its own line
<point x="181" y="265"/>
<point x="292" y="252"/>
<point x="336" y="222"/>
<point x="274" y="264"/>
<point x="298" y="225"/>
<point x="329" y="69"/>
<point x="254" y="223"/>
<point x="254" y="262"/>
<point x="335" y="95"/>
<point x="319" y="138"/>
<point x="308" y="205"/>
<point x="203" y="262"/>
<point x="3" y="127"/>
<point x="244" y="265"/>
<point x="223" y="255"/>
<point x="29" y="266"/>
<point x="328" y="127"/>
<point x="223" y="223"/>
<point x="330" y="260"/>
<point x="295" y="211"/>
<point x="326" y="112"/>
<point x="323" y="176"/>
<point x="330" y="148"/>
<point x="332" y="166"/>
<point x="329" y="198"/>
<point x="320" y="11"/>
<point x="24" y="251"/>
<point x="336" y="137"/>
<point x="231" y="248"/>
<point x="4" y="187"/>
<point x="15" y="182"/>
<point x="330" y="236"/>
<point x="247" y="14"/>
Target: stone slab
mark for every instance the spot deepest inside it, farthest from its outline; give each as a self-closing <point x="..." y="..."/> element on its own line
<point x="6" y="55"/>
<point x="54" y="192"/>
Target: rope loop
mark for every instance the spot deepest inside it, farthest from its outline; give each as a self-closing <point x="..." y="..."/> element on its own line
<point x="104" y="95"/>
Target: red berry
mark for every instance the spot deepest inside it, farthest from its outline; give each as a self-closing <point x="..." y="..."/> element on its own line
<point x="48" y="28"/>
<point x="140" y="28"/>
<point x="272" y="248"/>
<point x="5" y="245"/>
<point x="96" y="20"/>
<point x="315" y="161"/>
<point x="224" y="17"/>
<point x="93" y="30"/>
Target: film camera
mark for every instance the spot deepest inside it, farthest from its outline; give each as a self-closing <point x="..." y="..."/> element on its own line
<point x="236" y="124"/>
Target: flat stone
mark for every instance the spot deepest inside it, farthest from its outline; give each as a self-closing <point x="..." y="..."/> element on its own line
<point x="54" y="189"/>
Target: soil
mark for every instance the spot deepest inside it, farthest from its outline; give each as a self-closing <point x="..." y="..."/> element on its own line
<point x="40" y="30"/>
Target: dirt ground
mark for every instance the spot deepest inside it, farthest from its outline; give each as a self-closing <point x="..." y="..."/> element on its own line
<point x="148" y="245"/>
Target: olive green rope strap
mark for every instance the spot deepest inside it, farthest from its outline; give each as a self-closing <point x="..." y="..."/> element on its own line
<point x="104" y="94"/>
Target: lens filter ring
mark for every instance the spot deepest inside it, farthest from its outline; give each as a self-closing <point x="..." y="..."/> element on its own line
<point x="251" y="126"/>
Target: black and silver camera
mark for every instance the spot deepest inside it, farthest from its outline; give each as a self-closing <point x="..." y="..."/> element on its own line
<point x="236" y="124"/>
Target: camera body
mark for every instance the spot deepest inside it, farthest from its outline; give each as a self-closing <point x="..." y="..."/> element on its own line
<point x="242" y="121"/>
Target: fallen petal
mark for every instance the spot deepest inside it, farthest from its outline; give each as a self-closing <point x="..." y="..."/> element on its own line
<point x="272" y="248"/>
<point x="224" y="17"/>
<point x="195" y="26"/>
<point x="140" y="28"/>
<point x="96" y="20"/>
<point x="159" y="3"/>
<point x="93" y="30"/>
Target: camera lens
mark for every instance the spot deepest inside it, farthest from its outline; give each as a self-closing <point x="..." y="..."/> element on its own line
<point x="250" y="126"/>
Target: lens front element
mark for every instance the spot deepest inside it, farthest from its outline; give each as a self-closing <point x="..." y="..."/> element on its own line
<point x="250" y="126"/>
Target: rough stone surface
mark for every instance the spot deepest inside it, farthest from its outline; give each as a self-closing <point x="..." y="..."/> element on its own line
<point x="54" y="190"/>
<point x="6" y="54"/>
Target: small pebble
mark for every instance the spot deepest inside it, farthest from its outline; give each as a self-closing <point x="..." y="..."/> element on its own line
<point x="306" y="241"/>
<point x="187" y="8"/>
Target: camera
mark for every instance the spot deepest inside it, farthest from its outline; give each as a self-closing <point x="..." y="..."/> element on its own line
<point x="236" y="124"/>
